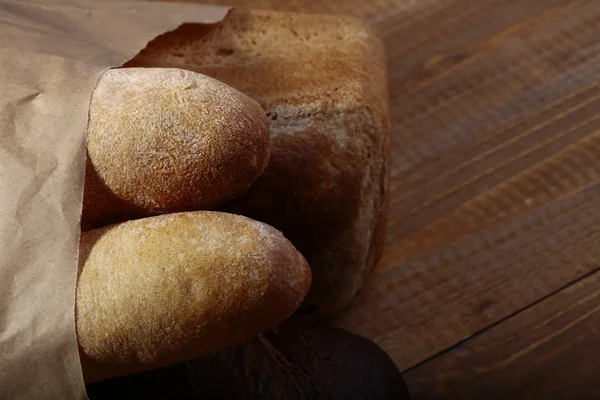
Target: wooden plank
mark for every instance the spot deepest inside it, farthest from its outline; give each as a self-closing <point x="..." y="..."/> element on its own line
<point x="495" y="162"/>
<point x="495" y="181"/>
<point x="549" y="351"/>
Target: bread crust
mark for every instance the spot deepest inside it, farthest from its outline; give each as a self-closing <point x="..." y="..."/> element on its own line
<point x="288" y="362"/>
<point x="322" y="81"/>
<point x="161" y="290"/>
<point x="168" y="140"/>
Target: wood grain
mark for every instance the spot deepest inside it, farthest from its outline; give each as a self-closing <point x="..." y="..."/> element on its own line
<point x="495" y="190"/>
<point x="549" y="351"/>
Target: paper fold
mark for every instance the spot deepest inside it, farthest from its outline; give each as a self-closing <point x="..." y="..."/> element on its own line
<point x="51" y="56"/>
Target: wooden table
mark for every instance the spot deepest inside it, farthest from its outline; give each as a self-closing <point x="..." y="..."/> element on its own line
<point x="490" y="286"/>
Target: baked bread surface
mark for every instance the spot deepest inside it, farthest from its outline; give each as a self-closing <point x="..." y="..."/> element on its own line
<point x="161" y="290"/>
<point x="322" y="81"/>
<point x="168" y="140"/>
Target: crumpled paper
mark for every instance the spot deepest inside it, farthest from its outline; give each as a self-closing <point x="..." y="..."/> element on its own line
<point x="52" y="53"/>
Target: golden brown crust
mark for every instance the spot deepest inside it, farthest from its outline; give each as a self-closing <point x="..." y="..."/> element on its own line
<point x="168" y="140"/>
<point x="322" y="81"/>
<point x="164" y="289"/>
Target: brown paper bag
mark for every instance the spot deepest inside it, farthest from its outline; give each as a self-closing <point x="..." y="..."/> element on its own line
<point x="52" y="53"/>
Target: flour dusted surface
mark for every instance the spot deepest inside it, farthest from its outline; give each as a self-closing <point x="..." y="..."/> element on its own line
<point x="169" y="140"/>
<point x="164" y="289"/>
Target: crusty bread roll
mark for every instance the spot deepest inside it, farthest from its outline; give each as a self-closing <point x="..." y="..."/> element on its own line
<point x="322" y="81"/>
<point x="161" y="290"/>
<point x="168" y="140"/>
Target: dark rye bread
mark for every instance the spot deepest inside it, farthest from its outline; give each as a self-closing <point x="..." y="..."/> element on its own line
<point x="322" y="81"/>
<point x="288" y="362"/>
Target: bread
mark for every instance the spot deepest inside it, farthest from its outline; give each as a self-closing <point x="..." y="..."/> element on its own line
<point x="168" y="140"/>
<point x="161" y="290"/>
<point x="322" y="81"/>
<point x="289" y="362"/>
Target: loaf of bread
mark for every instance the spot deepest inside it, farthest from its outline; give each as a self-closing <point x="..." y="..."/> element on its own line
<point x="168" y="140"/>
<point x="322" y="81"/>
<point x="161" y="290"/>
<point x="289" y="362"/>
